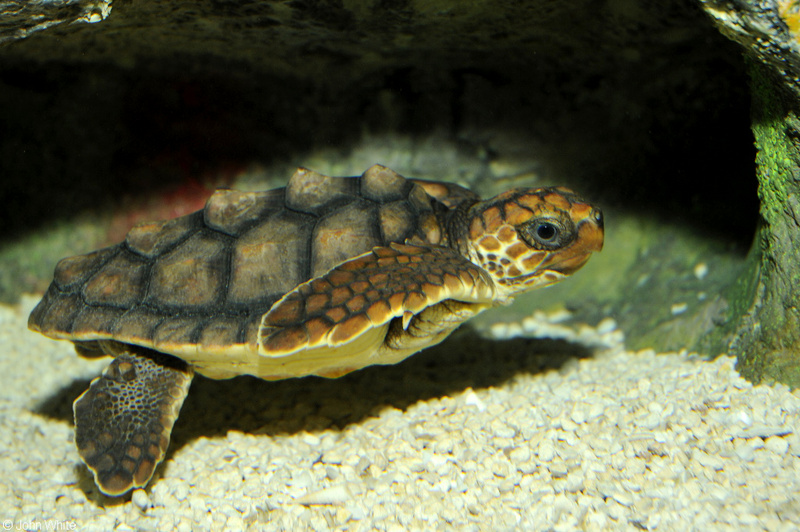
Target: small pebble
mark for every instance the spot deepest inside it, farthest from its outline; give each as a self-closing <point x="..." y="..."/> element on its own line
<point x="520" y="454"/>
<point x="334" y="495"/>
<point x="181" y="491"/>
<point x="606" y="326"/>
<point x="678" y="308"/>
<point x="140" y="499"/>
<point x="546" y="451"/>
<point x="578" y="415"/>
<point x="701" y="270"/>
<point x="777" y="445"/>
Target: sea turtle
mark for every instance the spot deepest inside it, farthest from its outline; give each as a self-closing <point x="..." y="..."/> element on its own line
<point x="322" y="277"/>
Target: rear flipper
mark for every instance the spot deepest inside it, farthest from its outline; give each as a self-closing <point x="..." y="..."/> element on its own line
<point x="124" y="420"/>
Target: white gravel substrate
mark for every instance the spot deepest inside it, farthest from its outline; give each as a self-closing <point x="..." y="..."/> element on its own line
<point x="619" y="440"/>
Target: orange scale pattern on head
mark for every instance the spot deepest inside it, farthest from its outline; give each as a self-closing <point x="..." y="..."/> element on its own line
<point x="506" y="234"/>
<point x="492" y="219"/>
<point x="531" y="201"/>
<point x="516" y="214"/>
<point x="489" y="243"/>
<point x="581" y="210"/>
<point x="513" y="271"/>
<point x="558" y="201"/>
<point x="533" y="261"/>
<point x="517" y="250"/>
<point x="476" y="228"/>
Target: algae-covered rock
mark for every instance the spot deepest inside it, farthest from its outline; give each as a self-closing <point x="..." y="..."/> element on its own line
<point x="767" y="333"/>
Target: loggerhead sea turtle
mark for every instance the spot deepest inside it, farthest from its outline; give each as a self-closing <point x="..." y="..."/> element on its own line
<point x="322" y="277"/>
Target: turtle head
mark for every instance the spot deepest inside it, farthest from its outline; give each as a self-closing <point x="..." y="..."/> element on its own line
<point x="528" y="238"/>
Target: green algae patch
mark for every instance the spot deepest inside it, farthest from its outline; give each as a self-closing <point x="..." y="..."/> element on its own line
<point x="768" y="341"/>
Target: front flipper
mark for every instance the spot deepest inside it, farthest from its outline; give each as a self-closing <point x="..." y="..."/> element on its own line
<point x="124" y="420"/>
<point x="367" y="292"/>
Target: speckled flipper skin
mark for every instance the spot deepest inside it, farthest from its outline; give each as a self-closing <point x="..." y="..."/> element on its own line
<point x="124" y="420"/>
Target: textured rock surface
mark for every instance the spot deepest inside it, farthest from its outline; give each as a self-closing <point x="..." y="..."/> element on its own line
<point x="767" y="330"/>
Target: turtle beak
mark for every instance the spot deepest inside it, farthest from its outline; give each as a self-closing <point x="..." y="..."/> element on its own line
<point x="570" y="265"/>
<point x="591" y="231"/>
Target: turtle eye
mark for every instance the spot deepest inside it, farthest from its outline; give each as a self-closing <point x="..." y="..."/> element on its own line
<point x="547" y="233"/>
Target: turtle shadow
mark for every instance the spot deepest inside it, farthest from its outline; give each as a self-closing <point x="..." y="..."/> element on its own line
<point x="58" y="406"/>
<point x="254" y="406"/>
<point x="465" y="360"/>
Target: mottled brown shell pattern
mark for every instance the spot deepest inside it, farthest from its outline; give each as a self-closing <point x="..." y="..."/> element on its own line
<point x="205" y="280"/>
